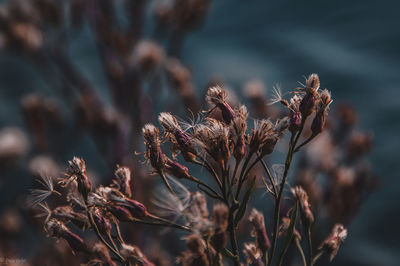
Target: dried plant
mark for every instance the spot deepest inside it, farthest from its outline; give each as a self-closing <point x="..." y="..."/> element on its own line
<point x="208" y="144"/>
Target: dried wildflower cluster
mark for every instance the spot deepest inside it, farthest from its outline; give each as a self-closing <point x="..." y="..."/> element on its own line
<point x="229" y="153"/>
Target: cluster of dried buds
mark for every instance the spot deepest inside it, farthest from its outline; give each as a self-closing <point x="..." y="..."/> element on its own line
<point x="223" y="146"/>
<point x="100" y="209"/>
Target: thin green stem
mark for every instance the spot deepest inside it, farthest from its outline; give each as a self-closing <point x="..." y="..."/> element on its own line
<point x="233" y="239"/>
<point x="289" y="156"/>
<point x="98" y="234"/>
<point x="309" y="241"/>
<point x="303" y="257"/>
<point x="317" y="257"/>
<point x="271" y="179"/>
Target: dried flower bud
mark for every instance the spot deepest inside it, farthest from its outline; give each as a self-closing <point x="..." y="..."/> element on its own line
<point x="238" y="128"/>
<point x="102" y="223"/>
<point x="295" y="121"/>
<point x="195" y="255"/>
<point x="214" y="139"/>
<point x="217" y="96"/>
<point x="66" y="214"/>
<point x="198" y="201"/>
<point x="257" y="220"/>
<point x="137" y="209"/>
<point x="57" y="229"/>
<point x="253" y="255"/>
<point x="220" y="220"/>
<point x="121" y="213"/>
<point x="77" y="170"/>
<point x="123" y="175"/>
<point x="183" y="140"/>
<point x="307" y="105"/>
<point x="299" y="193"/>
<point x="319" y="120"/>
<point x="134" y="256"/>
<point x="332" y="243"/>
<point x="265" y="135"/>
<point x="176" y="169"/>
<point x="147" y="56"/>
<point x="312" y="83"/>
<point x="101" y="251"/>
<point x="153" y="149"/>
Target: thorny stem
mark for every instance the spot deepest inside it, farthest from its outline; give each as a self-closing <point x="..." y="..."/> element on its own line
<point x="288" y="162"/>
<point x="303" y="257"/>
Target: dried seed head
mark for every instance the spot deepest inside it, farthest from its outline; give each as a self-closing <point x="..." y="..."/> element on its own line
<point x="299" y="194"/>
<point x="307" y="105"/>
<point x="332" y="243"/>
<point x="123" y="175"/>
<point x="213" y="137"/>
<point x="319" y="120"/>
<point x="39" y="195"/>
<point x="257" y="220"/>
<point x="220" y="220"/>
<point x="252" y="254"/>
<point x="134" y="255"/>
<point x="77" y="171"/>
<point x="217" y="97"/>
<point x="147" y="56"/>
<point x="67" y="214"/>
<point x="103" y="224"/>
<point x="295" y="114"/>
<point x="182" y="140"/>
<point x="101" y="251"/>
<point x="153" y="149"/>
<point x="199" y="202"/>
<point x="195" y="254"/>
<point x="169" y="122"/>
<point x="195" y="244"/>
<point x="261" y="132"/>
<point x="57" y="229"/>
<point x="312" y="83"/>
<point x="121" y="213"/>
<point x="238" y="129"/>
<point x="176" y="169"/>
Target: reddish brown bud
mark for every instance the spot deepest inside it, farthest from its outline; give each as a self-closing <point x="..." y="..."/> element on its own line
<point x="307" y="105"/>
<point x="295" y="121"/>
<point x="102" y="223"/>
<point x="176" y="169"/>
<point x="332" y="243"/>
<point x="123" y="175"/>
<point x="259" y="231"/>
<point x="220" y="220"/>
<point x="77" y="169"/>
<point x="58" y="229"/>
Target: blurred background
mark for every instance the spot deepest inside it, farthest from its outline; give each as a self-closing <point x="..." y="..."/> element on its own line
<point x="70" y="84"/>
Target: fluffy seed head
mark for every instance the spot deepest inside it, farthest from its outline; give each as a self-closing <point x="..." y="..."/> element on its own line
<point x="257" y="220"/>
<point x="300" y="194"/>
<point x="332" y="243"/>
